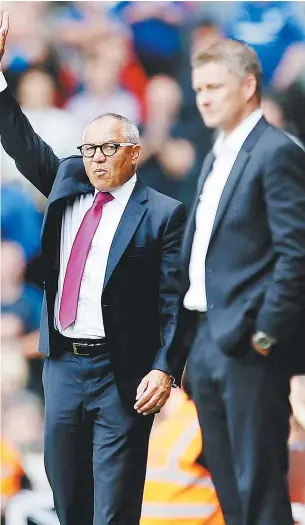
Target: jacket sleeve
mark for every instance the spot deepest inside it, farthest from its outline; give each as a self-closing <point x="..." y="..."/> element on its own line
<point x="33" y="157"/>
<point x="284" y="189"/>
<point x="167" y="358"/>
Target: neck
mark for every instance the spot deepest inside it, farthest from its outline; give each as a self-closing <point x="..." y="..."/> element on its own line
<point x="239" y="119"/>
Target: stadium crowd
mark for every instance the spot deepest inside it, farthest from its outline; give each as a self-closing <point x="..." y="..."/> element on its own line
<point x="67" y="62"/>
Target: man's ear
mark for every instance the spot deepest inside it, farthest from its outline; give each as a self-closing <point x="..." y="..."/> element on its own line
<point x="136" y="152"/>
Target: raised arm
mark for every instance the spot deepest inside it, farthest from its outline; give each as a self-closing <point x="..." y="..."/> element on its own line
<point x="33" y="157"/>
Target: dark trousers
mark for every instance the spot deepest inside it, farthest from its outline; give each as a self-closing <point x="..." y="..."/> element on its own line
<point x="95" y="449"/>
<point x="243" y="410"/>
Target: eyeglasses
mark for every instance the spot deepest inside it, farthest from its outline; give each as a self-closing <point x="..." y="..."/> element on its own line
<point x="108" y="148"/>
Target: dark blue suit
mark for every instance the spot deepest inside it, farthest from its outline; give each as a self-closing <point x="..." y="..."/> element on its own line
<point x="255" y="281"/>
<point x="89" y="401"/>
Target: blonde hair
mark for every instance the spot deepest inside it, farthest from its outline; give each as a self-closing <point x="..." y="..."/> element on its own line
<point x="240" y="58"/>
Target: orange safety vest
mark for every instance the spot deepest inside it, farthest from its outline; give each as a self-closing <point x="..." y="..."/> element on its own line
<point x="11" y="470"/>
<point x="178" y="490"/>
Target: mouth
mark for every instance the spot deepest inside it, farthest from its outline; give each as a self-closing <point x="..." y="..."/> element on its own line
<point x="100" y="171"/>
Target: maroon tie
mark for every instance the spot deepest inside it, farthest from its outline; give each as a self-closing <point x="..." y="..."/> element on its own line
<point x="77" y="259"/>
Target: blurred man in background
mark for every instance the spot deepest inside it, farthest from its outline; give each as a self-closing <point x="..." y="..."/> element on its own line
<point x="244" y="286"/>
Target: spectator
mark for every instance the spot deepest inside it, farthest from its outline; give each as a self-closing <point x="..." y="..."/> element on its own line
<point x="17" y="298"/>
<point x="271" y="28"/>
<point x="102" y="92"/>
<point x="36" y="96"/>
<point x="20" y="310"/>
<point x="20" y="220"/>
<point x="32" y="45"/>
<point x="165" y="159"/>
<point x="156" y="29"/>
<point x="274" y="113"/>
<point x="14" y="371"/>
<point x="22" y="422"/>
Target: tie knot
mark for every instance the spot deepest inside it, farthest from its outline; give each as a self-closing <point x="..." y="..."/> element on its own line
<point x="101" y="198"/>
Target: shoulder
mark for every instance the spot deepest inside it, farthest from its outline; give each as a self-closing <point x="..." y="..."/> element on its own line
<point x="73" y="160"/>
<point x="156" y="198"/>
<point x="276" y="147"/>
<point x="163" y="206"/>
<point x="276" y="139"/>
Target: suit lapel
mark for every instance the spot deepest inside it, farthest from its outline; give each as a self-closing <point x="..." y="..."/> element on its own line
<point x="236" y="172"/>
<point x="71" y="180"/>
<point x="229" y="188"/>
<point x="130" y="221"/>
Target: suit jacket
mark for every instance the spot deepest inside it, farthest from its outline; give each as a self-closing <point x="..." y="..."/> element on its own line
<point x="255" y="264"/>
<point x="140" y="297"/>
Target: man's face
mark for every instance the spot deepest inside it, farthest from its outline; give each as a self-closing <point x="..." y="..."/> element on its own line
<point x="107" y="173"/>
<point x="221" y="96"/>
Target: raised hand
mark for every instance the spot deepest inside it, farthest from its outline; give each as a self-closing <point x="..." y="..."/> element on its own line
<point x="4" y="27"/>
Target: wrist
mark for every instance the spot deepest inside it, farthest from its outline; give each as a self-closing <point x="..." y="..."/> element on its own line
<point x="263" y="342"/>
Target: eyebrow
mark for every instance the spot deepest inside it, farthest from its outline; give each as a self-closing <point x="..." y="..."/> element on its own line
<point x="104" y="142"/>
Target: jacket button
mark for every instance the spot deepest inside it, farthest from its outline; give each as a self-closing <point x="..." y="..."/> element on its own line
<point x="105" y="305"/>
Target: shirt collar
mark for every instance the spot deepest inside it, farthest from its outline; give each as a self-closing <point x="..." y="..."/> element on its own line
<point x="122" y="193"/>
<point x="234" y="141"/>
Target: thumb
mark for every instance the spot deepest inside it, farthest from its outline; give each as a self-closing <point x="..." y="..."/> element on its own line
<point x="142" y="387"/>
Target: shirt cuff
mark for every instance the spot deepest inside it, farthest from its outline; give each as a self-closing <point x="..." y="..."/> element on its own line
<point x="3" y="84"/>
<point x="173" y="384"/>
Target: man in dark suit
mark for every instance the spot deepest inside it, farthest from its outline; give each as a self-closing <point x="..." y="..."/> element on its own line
<point x="244" y="288"/>
<point x="110" y="247"/>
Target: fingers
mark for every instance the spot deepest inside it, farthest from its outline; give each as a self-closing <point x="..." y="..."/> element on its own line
<point x="3" y="31"/>
<point x="4" y="23"/>
<point x="155" y="405"/>
<point x="153" y="400"/>
<point x="150" y="391"/>
<point x="141" y="388"/>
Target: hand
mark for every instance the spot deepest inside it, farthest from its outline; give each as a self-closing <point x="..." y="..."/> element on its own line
<point x="4" y="27"/>
<point x="153" y="392"/>
<point x="262" y="351"/>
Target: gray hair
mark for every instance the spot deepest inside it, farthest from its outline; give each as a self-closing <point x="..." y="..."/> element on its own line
<point x="240" y="58"/>
<point x="131" y="131"/>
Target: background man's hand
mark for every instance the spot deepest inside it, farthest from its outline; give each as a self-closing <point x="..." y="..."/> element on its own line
<point x="4" y="27"/>
<point x="153" y="392"/>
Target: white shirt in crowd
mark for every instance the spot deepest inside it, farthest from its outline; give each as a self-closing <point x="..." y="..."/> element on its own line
<point x="226" y="149"/>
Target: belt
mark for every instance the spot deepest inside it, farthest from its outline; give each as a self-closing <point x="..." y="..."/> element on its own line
<point x="82" y="347"/>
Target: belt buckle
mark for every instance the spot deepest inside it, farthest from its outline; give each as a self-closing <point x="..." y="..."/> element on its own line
<point x="75" y="352"/>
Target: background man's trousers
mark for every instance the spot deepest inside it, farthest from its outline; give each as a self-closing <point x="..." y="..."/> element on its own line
<point x="95" y="449"/>
<point x="243" y="410"/>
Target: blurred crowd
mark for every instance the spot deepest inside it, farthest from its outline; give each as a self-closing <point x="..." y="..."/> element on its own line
<point x="68" y="62"/>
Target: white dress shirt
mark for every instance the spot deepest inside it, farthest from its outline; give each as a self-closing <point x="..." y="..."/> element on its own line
<point x="3" y="84"/>
<point x="89" y="321"/>
<point x="226" y="149"/>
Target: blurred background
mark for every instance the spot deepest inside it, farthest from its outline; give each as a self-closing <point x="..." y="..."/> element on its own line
<point x="66" y="63"/>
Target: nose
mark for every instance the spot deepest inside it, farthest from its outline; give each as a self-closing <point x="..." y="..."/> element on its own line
<point x="203" y="98"/>
<point x="99" y="155"/>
